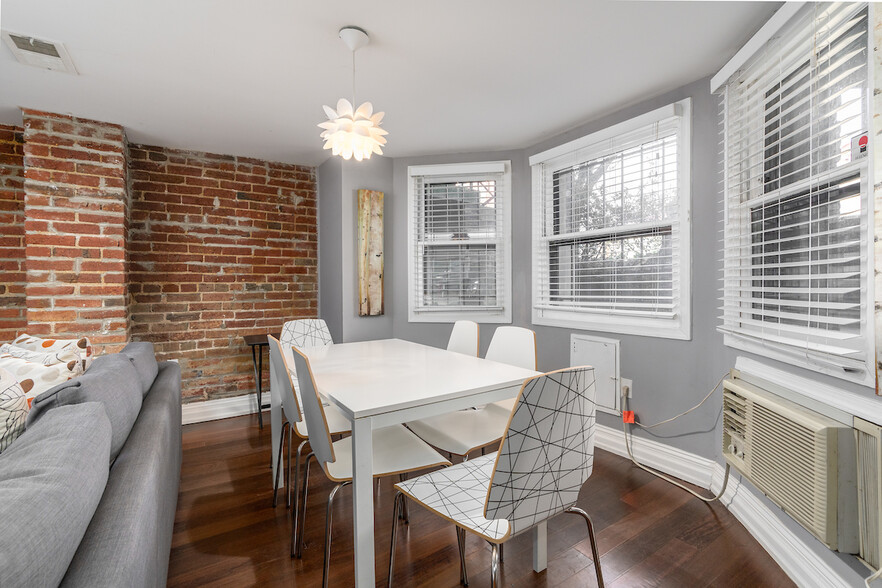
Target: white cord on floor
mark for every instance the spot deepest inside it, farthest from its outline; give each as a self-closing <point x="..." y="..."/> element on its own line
<point x="659" y="474"/>
<point x="875" y="576"/>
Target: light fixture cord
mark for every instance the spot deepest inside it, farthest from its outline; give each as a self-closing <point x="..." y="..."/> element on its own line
<point x="354" y="105"/>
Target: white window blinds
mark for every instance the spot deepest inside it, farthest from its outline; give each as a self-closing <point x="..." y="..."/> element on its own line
<point x="459" y="241"/>
<point x="608" y="225"/>
<point x="796" y="189"/>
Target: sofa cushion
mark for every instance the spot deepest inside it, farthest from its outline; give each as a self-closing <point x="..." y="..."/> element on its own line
<point x="51" y="481"/>
<point x="13" y="409"/>
<point x="144" y="359"/>
<point x="113" y="381"/>
<point x="129" y="539"/>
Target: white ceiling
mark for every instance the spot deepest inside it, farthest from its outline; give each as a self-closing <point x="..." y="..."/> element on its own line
<point x="250" y="77"/>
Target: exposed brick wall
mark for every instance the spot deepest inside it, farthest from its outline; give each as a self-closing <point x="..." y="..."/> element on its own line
<point x="13" y="316"/>
<point x="75" y="228"/>
<point x="220" y="247"/>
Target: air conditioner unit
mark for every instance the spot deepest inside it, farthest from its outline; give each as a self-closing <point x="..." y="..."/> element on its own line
<point x="802" y="460"/>
<point x="868" y="437"/>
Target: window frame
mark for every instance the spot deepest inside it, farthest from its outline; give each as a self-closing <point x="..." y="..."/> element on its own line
<point x="679" y="326"/>
<point x="778" y="350"/>
<point x="472" y="171"/>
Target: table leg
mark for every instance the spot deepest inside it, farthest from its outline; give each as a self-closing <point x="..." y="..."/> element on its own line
<point x="540" y="547"/>
<point x="258" y="370"/>
<point x="363" y="502"/>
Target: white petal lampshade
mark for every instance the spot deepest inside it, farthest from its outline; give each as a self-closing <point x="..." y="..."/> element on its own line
<point x="352" y="132"/>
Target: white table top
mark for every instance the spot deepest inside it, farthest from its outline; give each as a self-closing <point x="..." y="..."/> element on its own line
<point x="375" y="377"/>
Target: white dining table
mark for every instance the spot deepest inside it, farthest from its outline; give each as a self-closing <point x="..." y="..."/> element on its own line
<point x="391" y="381"/>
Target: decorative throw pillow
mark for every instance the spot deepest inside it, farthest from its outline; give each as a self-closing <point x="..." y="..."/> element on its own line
<point x="14" y="407"/>
<point x="65" y="356"/>
<point x="82" y="347"/>
<point x="44" y="377"/>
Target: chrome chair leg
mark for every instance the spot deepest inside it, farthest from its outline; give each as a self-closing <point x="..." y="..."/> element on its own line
<point x="297" y="541"/>
<point x="328" y="517"/>
<point x="288" y="470"/>
<point x="295" y="518"/>
<point x="584" y="515"/>
<point x="405" y="515"/>
<point x="494" y="566"/>
<point x="285" y="428"/>
<point x="396" y="508"/>
<point x="501" y="552"/>
<point x="463" y="572"/>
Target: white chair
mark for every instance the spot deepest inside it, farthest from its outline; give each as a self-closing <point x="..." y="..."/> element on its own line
<point x="461" y="432"/>
<point x="395" y="451"/>
<point x="283" y="376"/>
<point x="547" y="454"/>
<point x="514" y="346"/>
<point x="464" y="338"/>
<point x="305" y="334"/>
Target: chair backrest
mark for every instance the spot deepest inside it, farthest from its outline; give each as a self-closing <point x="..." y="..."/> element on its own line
<point x="282" y="378"/>
<point x="464" y="338"/>
<point x="514" y="346"/>
<point x="313" y="411"/>
<point x="306" y="333"/>
<point x="547" y="452"/>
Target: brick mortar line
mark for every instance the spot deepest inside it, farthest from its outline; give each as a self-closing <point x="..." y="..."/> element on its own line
<point x="101" y="140"/>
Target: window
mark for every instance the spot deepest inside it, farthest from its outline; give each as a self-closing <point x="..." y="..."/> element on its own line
<point x="459" y="236"/>
<point x="611" y="228"/>
<point x="797" y="211"/>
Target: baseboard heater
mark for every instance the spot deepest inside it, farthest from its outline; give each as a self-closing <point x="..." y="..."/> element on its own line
<point x="823" y="472"/>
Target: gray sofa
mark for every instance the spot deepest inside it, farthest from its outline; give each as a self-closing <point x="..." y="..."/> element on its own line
<point x="88" y="492"/>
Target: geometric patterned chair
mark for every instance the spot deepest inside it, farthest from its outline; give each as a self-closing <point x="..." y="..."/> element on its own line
<point x="464" y="431"/>
<point x="546" y="456"/>
<point x="306" y="333"/>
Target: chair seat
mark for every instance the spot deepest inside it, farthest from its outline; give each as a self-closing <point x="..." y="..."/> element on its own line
<point x="337" y="423"/>
<point x="458" y="494"/>
<point x="505" y="406"/>
<point x="395" y="451"/>
<point x="462" y="431"/>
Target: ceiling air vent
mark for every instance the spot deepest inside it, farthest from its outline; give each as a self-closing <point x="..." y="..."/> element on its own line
<point x="39" y="52"/>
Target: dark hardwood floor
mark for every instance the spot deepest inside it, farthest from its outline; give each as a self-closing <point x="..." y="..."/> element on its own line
<point x="650" y="533"/>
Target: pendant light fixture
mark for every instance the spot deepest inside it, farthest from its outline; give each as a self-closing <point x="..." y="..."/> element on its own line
<point x="349" y="131"/>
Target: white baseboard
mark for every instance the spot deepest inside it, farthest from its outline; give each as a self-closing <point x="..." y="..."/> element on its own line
<point x="670" y="460"/>
<point x="221" y="408"/>
<point x="793" y="555"/>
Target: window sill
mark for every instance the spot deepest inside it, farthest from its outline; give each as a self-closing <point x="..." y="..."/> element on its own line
<point x="452" y="316"/>
<point x="676" y="328"/>
<point x="776" y="352"/>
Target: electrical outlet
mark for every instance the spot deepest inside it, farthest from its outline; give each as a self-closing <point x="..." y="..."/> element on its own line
<point x="630" y="385"/>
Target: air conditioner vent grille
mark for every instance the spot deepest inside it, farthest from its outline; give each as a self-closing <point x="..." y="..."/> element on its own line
<point x="868" y="437"/>
<point x="787" y="451"/>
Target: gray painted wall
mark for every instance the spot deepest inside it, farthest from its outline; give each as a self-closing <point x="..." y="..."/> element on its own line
<point x="339" y="183"/>
<point x="330" y="207"/>
<point x="661" y="384"/>
<point x="669" y="376"/>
